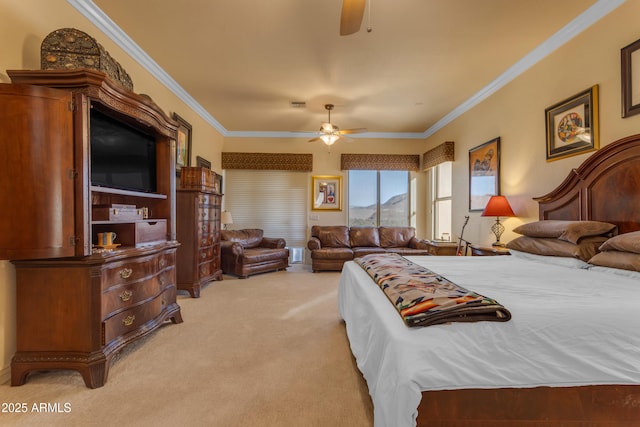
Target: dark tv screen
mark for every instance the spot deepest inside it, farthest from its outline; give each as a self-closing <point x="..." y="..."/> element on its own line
<point x="121" y="156"/>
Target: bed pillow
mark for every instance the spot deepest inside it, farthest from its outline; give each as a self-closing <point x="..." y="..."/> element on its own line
<point x="570" y="231"/>
<point x="569" y="262"/>
<point x="584" y="250"/>
<point x="616" y="271"/>
<point x="627" y="242"/>
<point x="617" y="259"/>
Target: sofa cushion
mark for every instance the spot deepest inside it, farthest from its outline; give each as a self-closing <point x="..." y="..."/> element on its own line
<point x="362" y="251"/>
<point x="334" y="236"/>
<point x="396" y="237"/>
<point x="333" y="253"/>
<point x="364" y="236"/>
<point x="248" y="238"/>
<point x="257" y="255"/>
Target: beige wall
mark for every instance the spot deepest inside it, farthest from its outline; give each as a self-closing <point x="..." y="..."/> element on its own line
<point x="327" y="162"/>
<point x="517" y="115"/>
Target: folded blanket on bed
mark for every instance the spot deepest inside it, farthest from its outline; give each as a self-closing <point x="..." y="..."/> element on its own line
<point x="425" y="298"/>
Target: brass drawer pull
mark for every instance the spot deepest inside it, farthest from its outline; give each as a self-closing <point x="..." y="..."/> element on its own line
<point x="128" y="321"/>
<point x="163" y="262"/>
<point x="125" y="273"/>
<point x="126" y="295"/>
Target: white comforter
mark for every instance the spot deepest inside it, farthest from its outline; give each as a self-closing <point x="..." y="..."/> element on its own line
<point x="570" y="327"/>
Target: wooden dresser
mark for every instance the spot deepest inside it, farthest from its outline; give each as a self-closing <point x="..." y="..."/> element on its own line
<point x="198" y="230"/>
<point x="77" y="304"/>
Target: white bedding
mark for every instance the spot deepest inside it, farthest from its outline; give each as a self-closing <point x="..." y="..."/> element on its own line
<point x="570" y="327"/>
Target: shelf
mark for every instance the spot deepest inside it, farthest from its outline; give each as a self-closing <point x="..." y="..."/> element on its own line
<point x="109" y="190"/>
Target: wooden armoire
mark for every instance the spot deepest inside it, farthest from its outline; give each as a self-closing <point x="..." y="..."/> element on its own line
<point x="79" y="304"/>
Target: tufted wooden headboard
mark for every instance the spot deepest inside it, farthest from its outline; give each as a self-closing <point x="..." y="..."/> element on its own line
<point x="606" y="187"/>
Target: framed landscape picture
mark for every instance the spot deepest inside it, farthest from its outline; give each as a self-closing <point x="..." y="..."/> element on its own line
<point x="484" y="173"/>
<point x="572" y="125"/>
<point x="326" y="193"/>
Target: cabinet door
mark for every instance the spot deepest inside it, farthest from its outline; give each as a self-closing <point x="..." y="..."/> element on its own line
<point x="37" y="173"/>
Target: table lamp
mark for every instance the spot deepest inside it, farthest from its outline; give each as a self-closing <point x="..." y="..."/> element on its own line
<point x="498" y="206"/>
<point x="226" y="219"/>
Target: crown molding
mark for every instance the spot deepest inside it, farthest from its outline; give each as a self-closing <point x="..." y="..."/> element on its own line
<point x="583" y="21"/>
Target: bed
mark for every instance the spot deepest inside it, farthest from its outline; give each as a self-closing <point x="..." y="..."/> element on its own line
<point x="570" y="354"/>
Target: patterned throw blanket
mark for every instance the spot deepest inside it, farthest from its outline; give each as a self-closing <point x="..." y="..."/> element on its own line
<point x="425" y="298"/>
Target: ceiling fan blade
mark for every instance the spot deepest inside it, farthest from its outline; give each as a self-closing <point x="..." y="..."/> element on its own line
<point x="350" y="131"/>
<point x="344" y="139"/>
<point x="351" y="17"/>
<point x="317" y="138"/>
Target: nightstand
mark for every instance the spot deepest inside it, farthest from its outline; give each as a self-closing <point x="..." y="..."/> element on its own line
<point x="441" y="247"/>
<point x="477" y="250"/>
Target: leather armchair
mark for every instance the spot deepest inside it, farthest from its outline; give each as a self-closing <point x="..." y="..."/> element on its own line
<point x="245" y="252"/>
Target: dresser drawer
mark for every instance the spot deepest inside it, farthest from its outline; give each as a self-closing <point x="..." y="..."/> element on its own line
<point x="131" y="271"/>
<point x="167" y="259"/>
<point x="205" y="254"/>
<point x="133" y="318"/>
<point x="120" y="297"/>
<point x="205" y="269"/>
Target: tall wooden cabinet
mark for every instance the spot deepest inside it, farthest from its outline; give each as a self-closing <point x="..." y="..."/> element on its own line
<point x="78" y="305"/>
<point x="198" y="228"/>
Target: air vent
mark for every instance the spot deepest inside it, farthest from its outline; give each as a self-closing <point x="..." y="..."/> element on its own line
<point x="298" y="104"/>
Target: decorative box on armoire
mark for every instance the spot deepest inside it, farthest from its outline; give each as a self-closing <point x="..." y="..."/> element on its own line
<point x="198" y="228"/>
<point x="81" y="156"/>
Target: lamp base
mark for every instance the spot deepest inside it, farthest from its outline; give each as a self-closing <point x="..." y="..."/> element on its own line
<point x="497" y="229"/>
<point x="499" y="244"/>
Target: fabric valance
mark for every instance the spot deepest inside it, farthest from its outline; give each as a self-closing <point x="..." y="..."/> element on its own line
<point x="405" y="162"/>
<point x="268" y="161"/>
<point x="442" y="153"/>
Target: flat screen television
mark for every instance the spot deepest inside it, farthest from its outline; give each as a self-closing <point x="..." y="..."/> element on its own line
<point x="121" y="156"/>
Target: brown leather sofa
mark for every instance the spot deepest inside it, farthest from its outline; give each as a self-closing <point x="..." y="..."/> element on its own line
<point x="332" y="246"/>
<point x="245" y="252"/>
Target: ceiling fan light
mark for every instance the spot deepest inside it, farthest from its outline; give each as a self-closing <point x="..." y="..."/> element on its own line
<point x="326" y="127"/>
<point x="329" y="139"/>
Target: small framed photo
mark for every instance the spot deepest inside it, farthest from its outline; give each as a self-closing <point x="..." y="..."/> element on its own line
<point x="630" y="67"/>
<point x="572" y="125"/>
<point x="327" y="193"/>
<point x="484" y="174"/>
<point x="201" y="162"/>
<point x="183" y="143"/>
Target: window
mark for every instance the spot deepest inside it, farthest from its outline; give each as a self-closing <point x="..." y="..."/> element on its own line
<point x="378" y="198"/>
<point x="272" y="200"/>
<point x="441" y="191"/>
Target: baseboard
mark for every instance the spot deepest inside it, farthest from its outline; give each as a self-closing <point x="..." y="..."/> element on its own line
<point x="5" y="375"/>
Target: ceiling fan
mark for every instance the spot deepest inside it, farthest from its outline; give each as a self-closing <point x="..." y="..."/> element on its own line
<point x="330" y="133"/>
<point x="351" y="17"/>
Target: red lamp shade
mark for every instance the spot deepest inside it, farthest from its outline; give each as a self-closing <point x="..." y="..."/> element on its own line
<point x="498" y="206"/>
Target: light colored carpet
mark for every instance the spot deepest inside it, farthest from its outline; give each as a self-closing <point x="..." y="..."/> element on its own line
<point x="270" y="350"/>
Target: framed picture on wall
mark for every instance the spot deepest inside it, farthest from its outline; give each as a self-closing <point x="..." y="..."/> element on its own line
<point x="326" y="193"/>
<point x="201" y="162"/>
<point x="183" y="143"/>
<point x="484" y="173"/>
<point x="572" y="125"/>
<point x="630" y="67"/>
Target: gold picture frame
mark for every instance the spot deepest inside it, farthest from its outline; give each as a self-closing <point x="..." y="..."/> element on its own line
<point x="572" y="125"/>
<point x="326" y="193"/>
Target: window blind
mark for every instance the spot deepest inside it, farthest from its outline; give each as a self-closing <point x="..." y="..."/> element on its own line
<point x="274" y="201"/>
